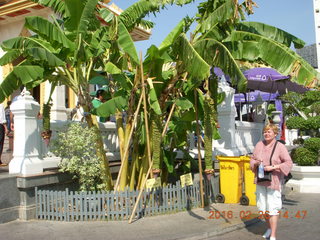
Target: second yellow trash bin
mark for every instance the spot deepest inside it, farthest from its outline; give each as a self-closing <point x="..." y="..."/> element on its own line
<point x="250" y="187"/>
<point x="230" y="178"/>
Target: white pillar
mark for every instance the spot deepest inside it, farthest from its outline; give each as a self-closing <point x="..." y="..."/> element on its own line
<point x="58" y="109"/>
<point x="26" y="136"/>
<point x="226" y="118"/>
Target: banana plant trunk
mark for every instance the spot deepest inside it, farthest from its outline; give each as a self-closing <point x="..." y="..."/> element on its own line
<point x="125" y="160"/>
<point x="208" y="134"/>
<point x="156" y="131"/>
<point x="101" y="153"/>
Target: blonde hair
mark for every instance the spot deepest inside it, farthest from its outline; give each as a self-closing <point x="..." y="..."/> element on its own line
<point x="271" y="126"/>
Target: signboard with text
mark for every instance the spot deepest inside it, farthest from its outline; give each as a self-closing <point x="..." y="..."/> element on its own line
<point x="186" y="180"/>
<point x="153" y="183"/>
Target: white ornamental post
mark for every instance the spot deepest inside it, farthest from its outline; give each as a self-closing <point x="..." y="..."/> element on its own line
<point x="226" y="118"/>
<point x="26" y="136"/>
<point x="277" y="120"/>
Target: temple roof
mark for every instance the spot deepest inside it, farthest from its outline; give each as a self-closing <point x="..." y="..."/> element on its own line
<point x="14" y="10"/>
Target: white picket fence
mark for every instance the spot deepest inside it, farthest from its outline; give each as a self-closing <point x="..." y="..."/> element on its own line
<point x="85" y="206"/>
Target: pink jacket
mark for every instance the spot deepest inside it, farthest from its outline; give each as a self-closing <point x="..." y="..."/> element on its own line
<point x="280" y="157"/>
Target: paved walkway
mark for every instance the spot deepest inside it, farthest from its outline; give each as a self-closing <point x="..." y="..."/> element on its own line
<point x="194" y="224"/>
<point x="191" y="225"/>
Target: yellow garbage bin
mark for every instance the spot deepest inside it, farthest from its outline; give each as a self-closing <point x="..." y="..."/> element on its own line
<point x="249" y="186"/>
<point x="230" y="179"/>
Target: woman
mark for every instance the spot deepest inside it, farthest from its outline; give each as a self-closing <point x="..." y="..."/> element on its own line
<point x="268" y="193"/>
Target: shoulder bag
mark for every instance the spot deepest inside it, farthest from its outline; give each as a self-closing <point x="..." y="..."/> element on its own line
<point x="267" y="174"/>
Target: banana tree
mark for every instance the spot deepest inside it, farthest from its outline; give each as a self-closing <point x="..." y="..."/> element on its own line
<point x="223" y="39"/>
<point x="65" y="51"/>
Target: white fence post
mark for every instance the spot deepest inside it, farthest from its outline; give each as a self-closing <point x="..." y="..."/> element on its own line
<point x="26" y="136"/>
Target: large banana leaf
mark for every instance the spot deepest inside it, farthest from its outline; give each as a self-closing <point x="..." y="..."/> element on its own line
<point x="100" y="80"/>
<point x="106" y="15"/>
<point x="41" y="54"/>
<point x="214" y="32"/>
<point x="169" y="159"/>
<point x="216" y="54"/>
<point x="272" y="32"/>
<point x="154" y="103"/>
<point x="21" y="43"/>
<point x="48" y="31"/>
<point x="132" y="15"/>
<point x="220" y="14"/>
<point x="184" y="103"/>
<point x="74" y="11"/>
<point x="153" y="63"/>
<point x="278" y="56"/>
<point x="9" y="57"/>
<point x="111" y="68"/>
<point x="126" y="43"/>
<point x="20" y="75"/>
<point x="123" y="81"/>
<point x="190" y="59"/>
<point x="87" y="15"/>
<point x="58" y="6"/>
<point x="110" y="107"/>
<point x="172" y="36"/>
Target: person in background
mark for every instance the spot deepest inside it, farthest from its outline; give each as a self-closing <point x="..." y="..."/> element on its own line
<point x="7" y="113"/>
<point x="268" y="193"/>
<point x="3" y="130"/>
<point x="97" y="101"/>
<point x="77" y="114"/>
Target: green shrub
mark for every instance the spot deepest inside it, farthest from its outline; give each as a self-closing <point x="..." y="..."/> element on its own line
<point x="77" y="149"/>
<point x="298" y="141"/>
<point x="313" y="122"/>
<point x="312" y="144"/>
<point x="296" y="123"/>
<point x="304" y="157"/>
<point x="299" y="123"/>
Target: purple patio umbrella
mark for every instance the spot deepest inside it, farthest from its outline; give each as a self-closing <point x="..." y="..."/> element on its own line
<point x="269" y="80"/>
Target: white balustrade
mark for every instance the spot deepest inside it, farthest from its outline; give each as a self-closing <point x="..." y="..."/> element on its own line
<point x="247" y="135"/>
<point x="108" y="132"/>
<point x="238" y="138"/>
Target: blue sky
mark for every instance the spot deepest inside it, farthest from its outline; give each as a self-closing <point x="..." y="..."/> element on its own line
<point x="293" y="16"/>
